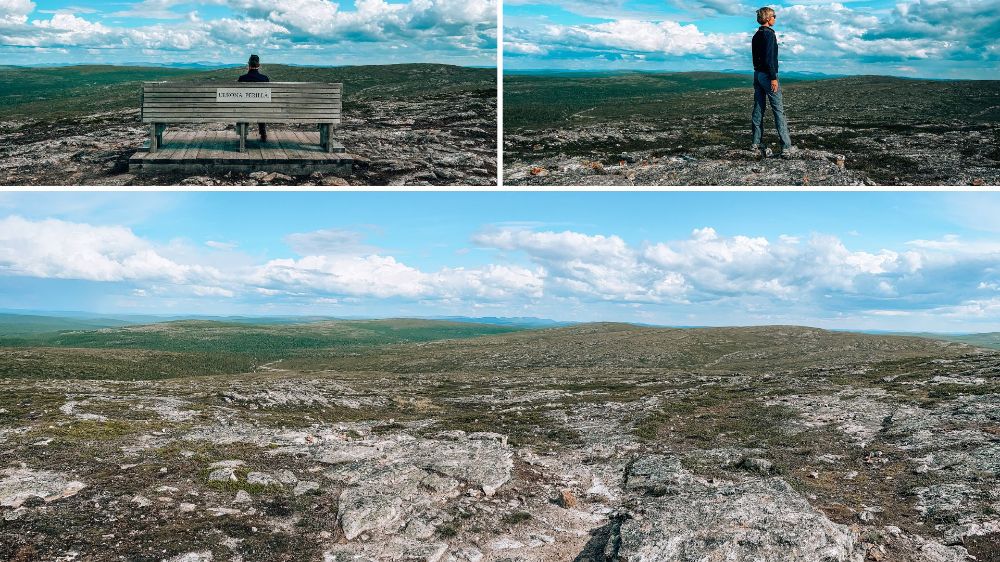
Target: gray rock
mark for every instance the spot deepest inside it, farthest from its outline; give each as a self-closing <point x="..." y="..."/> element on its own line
<point x="760" y="466"/>
<point x="675" y="515"/>
<point x="304" y="486"/>
<point x="222" y="475"/>
<point x="402" y="477"/>
<point x="18" y="485"/>
<point x="262" y="479"/>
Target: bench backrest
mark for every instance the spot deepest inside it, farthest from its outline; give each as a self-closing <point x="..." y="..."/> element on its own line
<point x="266" y="102"/>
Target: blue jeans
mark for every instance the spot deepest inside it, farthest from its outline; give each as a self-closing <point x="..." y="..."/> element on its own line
<point x="761" y="95"/>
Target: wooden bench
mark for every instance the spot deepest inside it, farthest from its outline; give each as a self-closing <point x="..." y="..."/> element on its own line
<point x="241" y="103"/>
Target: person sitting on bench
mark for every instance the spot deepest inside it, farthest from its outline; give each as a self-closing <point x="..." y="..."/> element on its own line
<point x="254" y="75"/>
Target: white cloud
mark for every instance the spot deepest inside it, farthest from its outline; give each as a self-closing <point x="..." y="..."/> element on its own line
<point x="947" y="277"/>
<point x="376" y="276"/>
<point x="65" y="250"/>
<point x="662" y="38"/>
<point x="453" y="26"/>
<point x="812" y="34"/>
<point x="15" y="11"/>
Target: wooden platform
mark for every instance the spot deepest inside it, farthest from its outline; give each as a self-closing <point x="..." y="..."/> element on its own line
<point x="286" y="151"/>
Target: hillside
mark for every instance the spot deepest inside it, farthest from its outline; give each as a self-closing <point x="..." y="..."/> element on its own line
<point x="79" y="124"/>
<point x="646" y="128"/>
<point x="378" y="440"/>
<point x="203" y="347"/>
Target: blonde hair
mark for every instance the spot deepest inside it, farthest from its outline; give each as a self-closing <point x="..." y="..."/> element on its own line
<point x="764" y="14"/>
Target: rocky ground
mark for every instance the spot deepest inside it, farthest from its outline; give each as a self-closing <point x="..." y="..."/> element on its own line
<point x="594" y="155"/>
<point x="693" y="129"/>
<point x="589" y="443"/>
<point x="445" y="139"/>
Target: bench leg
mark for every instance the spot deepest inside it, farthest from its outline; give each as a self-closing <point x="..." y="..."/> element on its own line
<point x="242" y="128"/>
<point x="160" y="127"/>
<point x="153" y="144"/>
<point x="325" y="139"/>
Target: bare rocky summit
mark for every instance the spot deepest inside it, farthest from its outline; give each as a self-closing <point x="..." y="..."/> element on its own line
<point x="693" y="129"/>
<point x="594" y="443"/>
<point x="416" y="125"/>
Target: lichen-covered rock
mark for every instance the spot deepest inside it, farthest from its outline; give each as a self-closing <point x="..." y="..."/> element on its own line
<point x="389" y="481"/>
<point x="675" y="515"/>
<point x="17" y="485"/>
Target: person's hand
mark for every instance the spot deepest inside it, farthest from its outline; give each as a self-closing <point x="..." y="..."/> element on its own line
<point x="774" y="86"/>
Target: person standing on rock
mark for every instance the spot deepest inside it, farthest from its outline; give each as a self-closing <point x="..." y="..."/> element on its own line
<point x="765" y="84"/>
<point x="254" y="75"/>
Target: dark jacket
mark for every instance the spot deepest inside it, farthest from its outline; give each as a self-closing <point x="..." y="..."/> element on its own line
<point x="254" y="76"/>
<point x="765" y="52"/>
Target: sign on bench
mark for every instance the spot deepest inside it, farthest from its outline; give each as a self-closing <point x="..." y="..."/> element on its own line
<point x="241" y="103"/>
<point x="249" y="95"/>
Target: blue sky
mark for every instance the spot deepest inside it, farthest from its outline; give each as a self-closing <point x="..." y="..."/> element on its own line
<point x="896" y="261"/>
<point x="315" y="32"/>
<point x="917" y="38"/>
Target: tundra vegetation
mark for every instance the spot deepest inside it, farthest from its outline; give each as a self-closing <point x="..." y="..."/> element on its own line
<point x="694" y="129"/>
<point x="428" y="440"/>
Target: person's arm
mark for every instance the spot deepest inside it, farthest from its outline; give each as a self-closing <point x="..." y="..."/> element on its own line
<point x="771" y="59"/>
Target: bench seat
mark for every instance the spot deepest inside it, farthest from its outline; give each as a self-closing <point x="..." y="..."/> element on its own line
<point x="242" y="103"/>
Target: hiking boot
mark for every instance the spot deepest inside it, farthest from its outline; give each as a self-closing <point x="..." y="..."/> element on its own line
<point x="760" y="151"/>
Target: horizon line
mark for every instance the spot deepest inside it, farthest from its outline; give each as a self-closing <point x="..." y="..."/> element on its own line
<point x="444" y="318"/>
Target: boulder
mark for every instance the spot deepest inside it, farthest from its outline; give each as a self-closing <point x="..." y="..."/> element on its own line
<point x="675" y="515"/>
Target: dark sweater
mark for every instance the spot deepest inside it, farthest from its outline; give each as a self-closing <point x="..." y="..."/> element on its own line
<point x="765" y="52"/>
<point x="254" y="76"/>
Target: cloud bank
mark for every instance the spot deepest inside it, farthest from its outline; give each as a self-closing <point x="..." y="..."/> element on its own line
<point x="815" y="276"/>
<point x="938" y="36"/>
<point x="288" y="30"/>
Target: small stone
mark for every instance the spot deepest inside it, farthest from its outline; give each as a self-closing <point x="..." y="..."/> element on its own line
<point x="566" y="499"/>
<point x="304" y="486"/>
<point x="14" y="514"/>
<point x="142" y="501"/>
<point x="261" y="479"/>
<point x="242" y="497"/>
<point x="333" y="181"/>
<point x="760" y="466"/>
<point x="814" y="474"/>
<point x="978" y="182"/>
<point x="222" y="475"/>
<point x="258" y="175"/>
<point x="220" y="511"/>
<point x="851" y="475"/>
<point x="187" y="507"/>
<point x="197" y="180"/>
<point x="539" y="171"/>
<point x="286" y="476"/>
